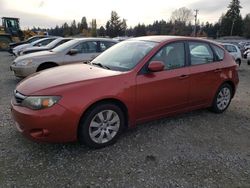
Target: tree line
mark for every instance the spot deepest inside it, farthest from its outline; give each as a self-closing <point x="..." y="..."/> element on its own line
<point x="180" y="23"/>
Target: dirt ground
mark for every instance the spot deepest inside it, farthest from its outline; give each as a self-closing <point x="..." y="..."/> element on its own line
<point x="197" y="149"/>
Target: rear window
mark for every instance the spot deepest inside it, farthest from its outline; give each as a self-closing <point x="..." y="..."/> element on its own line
<point x="219" y="52"/>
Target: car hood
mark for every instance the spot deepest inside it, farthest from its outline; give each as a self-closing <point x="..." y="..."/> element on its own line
<point x="35" y="55"/>
<point x="60" y="76"/>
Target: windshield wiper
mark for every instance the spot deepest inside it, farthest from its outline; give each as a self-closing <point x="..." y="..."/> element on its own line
<point x="101" y="65"/>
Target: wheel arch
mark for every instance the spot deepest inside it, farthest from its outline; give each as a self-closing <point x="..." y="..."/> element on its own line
<point x="115" y="101"/>
<point x="231" y="84"/>
<point x="46" y="63"/>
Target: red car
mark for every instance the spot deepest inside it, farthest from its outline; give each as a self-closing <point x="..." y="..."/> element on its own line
<point x="137" y="80"/>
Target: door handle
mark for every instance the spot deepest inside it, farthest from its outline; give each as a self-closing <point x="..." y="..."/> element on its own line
<point x="183" y="76"/>
<point x="217" y="70"/>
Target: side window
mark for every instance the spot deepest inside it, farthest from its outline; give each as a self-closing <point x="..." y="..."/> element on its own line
<point x="87" y="47"/>
<point x="232" y="49"/>
<point x="218" y="52"/>
<point x="104" y="45"/>
<point x="172" y="55"/>
<point x="45" y="42"/>
<point x="61" y="42"/>
<point x="200" y="53"/>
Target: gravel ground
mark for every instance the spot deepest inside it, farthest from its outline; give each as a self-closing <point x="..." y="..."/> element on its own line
<point x="197" y="149"/>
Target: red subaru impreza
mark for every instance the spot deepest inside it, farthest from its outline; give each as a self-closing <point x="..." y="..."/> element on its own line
<point x="137" y="80"/>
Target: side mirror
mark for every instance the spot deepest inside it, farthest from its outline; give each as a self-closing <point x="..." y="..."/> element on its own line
<point x="156" y="66"/>
<point x="73" y="52"/>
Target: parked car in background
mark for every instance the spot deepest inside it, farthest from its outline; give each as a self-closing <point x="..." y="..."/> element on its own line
<point x="74" y="51"/>
<point x="50" y="46"/>
<point x="38" y="43"/>
<point x="248" y="58"/>
<point x="234" y="51"/>
<point x="29" y="40"/>
<point x="134" y="81"/>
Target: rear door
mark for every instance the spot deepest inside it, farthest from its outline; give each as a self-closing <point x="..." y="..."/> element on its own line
<point x="205" y="72"/>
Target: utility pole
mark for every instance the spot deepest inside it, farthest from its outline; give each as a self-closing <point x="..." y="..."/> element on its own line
<point x="231" y="32"/>
<point x="195" y="21"/>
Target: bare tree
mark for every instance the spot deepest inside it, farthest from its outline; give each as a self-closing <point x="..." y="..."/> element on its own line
<point x="183" y="15"/>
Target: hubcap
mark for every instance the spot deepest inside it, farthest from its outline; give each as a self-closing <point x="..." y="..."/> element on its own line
<point x="104" y="126"/>
<point x="223" y="98"/>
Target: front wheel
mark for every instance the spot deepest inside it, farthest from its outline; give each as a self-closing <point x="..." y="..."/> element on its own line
<point x="238" y="61"/>
<point x="222" y="98"/>
<point x="101" y="125"/>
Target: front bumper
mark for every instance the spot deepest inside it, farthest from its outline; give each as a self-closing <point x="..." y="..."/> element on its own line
<point x="55" y="124"/>
<point x="23" y="71"/>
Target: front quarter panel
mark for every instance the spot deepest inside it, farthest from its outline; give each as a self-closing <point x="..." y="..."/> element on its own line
<point x="86" y="93"/>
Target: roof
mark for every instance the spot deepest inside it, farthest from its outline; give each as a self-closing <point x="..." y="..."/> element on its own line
<point x="164" y="38"/>
<point x="95" y="38"/>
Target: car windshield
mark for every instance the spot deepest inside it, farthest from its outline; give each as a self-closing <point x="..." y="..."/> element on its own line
<point x="53" y="43"/>
<point x="65" y="46"/>
<point x="125" y="55"/>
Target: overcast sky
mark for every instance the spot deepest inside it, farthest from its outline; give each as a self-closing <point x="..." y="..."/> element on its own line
<point x="49" y="13"/>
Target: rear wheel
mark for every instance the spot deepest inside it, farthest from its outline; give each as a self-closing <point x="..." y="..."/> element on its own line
<point x="238" y="61"/>
<point x="4" y="43"/>
<point x="101" y="125"/>
<point x="248" y="62"/>
<point x="222" y="98"/>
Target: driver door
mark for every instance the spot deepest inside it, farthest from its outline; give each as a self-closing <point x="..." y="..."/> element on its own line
<point x="160" y="93"/>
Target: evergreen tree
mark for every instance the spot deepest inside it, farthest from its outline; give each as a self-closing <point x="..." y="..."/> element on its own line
<point x="232" y="23"/>
<point x="247" y="26"/>
<point x="73" y="28"/>
<point x="114" y="25"/>
<point x="102" y="31"/>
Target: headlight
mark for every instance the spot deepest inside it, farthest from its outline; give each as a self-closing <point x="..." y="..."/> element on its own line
<point x="25" y="62"/>
<point x="40" y="102"/>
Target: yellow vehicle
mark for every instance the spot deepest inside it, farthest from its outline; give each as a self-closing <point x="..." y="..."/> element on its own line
<point x="10" y="32"/>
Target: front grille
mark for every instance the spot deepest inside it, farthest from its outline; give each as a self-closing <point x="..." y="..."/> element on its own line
<point x="19" y="97"/>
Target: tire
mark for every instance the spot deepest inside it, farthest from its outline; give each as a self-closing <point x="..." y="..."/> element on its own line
<point x="238" y="61"/>
<point x="101" y="125"/>
<point x="222" y="98"/>
<point x="4" y="43"/>
<point x="248" y="62"/>
<point x="46" y="66"/>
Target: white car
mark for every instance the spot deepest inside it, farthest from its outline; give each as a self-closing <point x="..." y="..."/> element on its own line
<point x="41" y="42"/>
<point x="234" y="51"/>
<point x="74" y="51"/>
<point x="50" y="46"/>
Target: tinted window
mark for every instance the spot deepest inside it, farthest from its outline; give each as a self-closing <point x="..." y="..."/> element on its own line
<point x="172" y="55"/>
<point x="200" y="53"/>
<point x="44" y="42"/>
<point x="230" y="48"/>
<point x="104" y="45"/>
<point x="219" y="52"/>
<point x="87" y="47"/>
